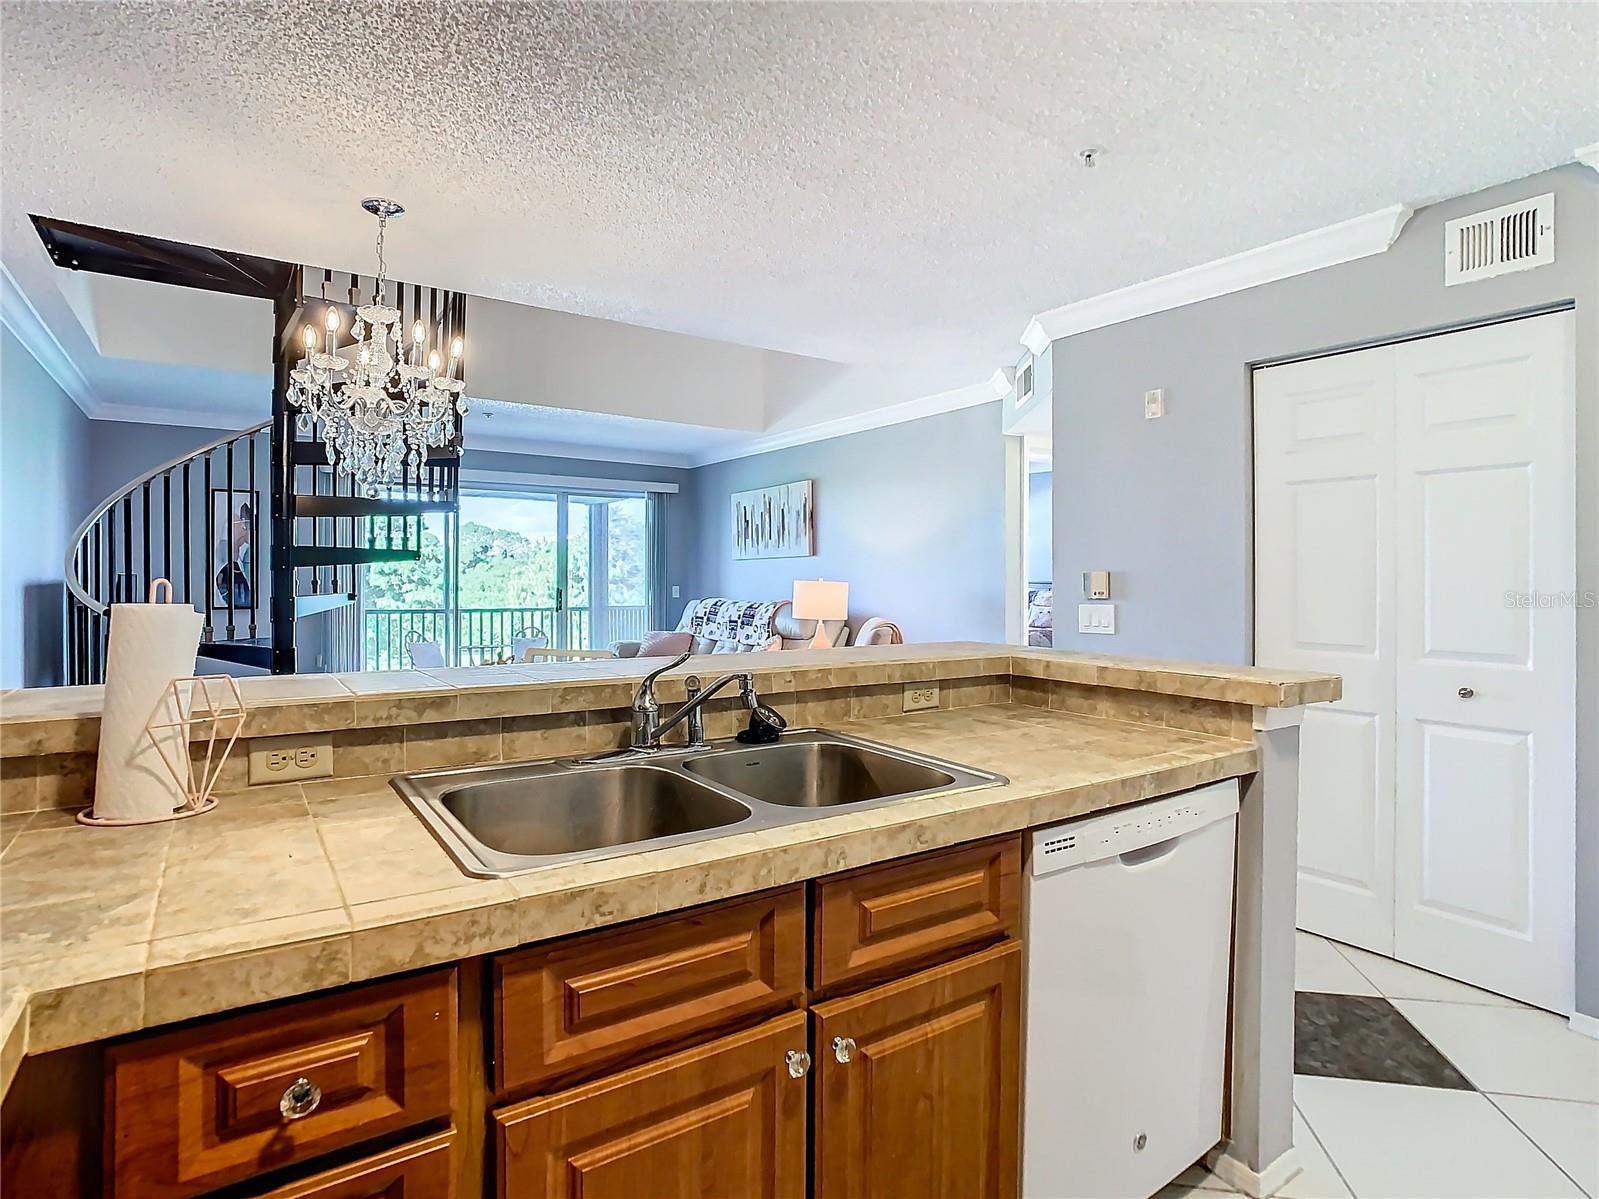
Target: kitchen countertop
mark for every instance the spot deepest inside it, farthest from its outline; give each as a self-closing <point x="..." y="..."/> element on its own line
<point x="286" y="890"/>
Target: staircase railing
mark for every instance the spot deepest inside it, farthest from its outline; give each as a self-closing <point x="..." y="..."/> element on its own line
<point x="198" y="520"/>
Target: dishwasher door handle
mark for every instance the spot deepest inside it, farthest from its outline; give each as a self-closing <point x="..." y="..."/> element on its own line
<point x="1150" y="853"/>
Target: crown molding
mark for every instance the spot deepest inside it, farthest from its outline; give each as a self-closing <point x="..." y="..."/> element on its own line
<point x="149" y="414"/>
<point x="498" y="444"/>
<point x="1002" y="381"/>
<point x="1346" y="241"/>
<point x="19" y="315"/>
<point x="1587" y="155"/>
<point x="971" y="396"/>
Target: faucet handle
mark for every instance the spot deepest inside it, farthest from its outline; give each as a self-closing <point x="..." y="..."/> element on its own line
<point x="646" y="687"/>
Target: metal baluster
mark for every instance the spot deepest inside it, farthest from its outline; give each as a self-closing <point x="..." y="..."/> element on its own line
<point x="144" y="531"/>
<point x="255" y="529"/>
<point x="227" y="540"/>
<point x="207" y="585"/>
<point x="166" y="524"/>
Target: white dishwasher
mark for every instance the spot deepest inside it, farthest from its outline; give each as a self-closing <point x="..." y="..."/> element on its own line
<point x="1129" y="919"/>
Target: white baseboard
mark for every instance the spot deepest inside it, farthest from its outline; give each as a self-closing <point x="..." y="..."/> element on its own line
<point x="1246" y="1181"/>
<point x="1587" y="1025"/>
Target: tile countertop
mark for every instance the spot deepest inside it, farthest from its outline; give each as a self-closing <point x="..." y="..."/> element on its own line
<point x="291" y="889"/>
<point x="63" y="719"/>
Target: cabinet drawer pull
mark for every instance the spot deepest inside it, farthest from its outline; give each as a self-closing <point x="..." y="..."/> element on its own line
<point x="301" y="1099"/>
<point x="798" y="1062"/>
<point x="844" y="1049"/>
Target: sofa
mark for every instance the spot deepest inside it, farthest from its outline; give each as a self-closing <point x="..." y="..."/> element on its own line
<point x="794" y="634"/>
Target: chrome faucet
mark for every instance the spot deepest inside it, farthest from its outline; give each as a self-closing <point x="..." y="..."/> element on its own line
<point x="649" y="728"/>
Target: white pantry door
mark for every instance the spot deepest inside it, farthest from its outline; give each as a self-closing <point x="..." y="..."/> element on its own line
<point x="1485" y="496"/>
<point x="1324" y="600"/>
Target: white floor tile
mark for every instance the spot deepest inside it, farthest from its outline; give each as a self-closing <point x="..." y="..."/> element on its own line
<point x="1566" y="1131"/>
<point x="1317" y="1178"/>
<point x="1512" y="1051"/>
<point x="1400" y="980"/>
<point x="1396" y="1142"/>
<point x="1320" y="967"/>
<point x="1197" y="1180"/>
<point x="1181" y="1190"/>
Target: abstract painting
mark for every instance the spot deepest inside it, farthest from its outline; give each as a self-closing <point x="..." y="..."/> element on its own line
<point x="775" y="522"/>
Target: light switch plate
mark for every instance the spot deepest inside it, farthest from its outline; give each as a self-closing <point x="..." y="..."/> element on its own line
<point x="920" y="695"/>
<point x="1096" y="618"/>
<point x="1155" y="404"/>
<point x="290" y="759"/>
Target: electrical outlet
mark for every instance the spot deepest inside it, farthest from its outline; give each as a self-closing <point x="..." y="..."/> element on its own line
<point x="920" y="695"/>
<point x="290" y="759"/>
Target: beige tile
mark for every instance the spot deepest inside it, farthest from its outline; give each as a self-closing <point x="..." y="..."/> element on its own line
<point x="354" y="799"/>
<point x="367" y="751"/>
<point x="184" y="981"/>
<point x="193" y="901"/>
<point x="19" y="790"/>
<point x="408" y="933"/>
<point x="413" y="871"/>
<point x="80" y="924"/>
<point x="66" y="780"/>
<point x="83" y="997"/>
<point x="452" y="743"/>
<point x="534" y="738"/>
<point x="13" y="1035"/>
<point x="389" y="711"/>
<point x="301" y="716"/>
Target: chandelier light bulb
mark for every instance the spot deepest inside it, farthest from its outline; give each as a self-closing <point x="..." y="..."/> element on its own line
<point x="382" y="409"/>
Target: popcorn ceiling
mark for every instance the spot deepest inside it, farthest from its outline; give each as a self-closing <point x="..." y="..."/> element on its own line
<point x="862" y="182"/>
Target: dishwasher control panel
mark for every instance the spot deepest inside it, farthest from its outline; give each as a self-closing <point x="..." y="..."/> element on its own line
<point x="1094" y="838"/>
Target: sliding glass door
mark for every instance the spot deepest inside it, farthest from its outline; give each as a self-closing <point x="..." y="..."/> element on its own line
<point x="519" y="569"/>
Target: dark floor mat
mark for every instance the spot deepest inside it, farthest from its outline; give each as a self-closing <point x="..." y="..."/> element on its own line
<point x="1359" y="1036"/>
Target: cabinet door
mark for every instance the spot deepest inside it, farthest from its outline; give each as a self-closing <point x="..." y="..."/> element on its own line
<point x="917" y="1084"/>
<point x="724" y="1120"/>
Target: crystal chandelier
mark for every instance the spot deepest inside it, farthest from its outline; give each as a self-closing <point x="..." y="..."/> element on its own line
<point x="382" y="405"/>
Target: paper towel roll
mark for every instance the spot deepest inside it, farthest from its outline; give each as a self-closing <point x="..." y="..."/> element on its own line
<point x="151" y="644"/>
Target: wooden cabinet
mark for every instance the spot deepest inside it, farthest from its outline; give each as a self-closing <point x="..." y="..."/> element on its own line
<point x="420" y="1170"/>
<point x="228" y="1099"/>
<point x="601" y="997"/>
<point x="726" y="1119"/>
<point x="885" y="919"/>
<point x="926" y="1104"/>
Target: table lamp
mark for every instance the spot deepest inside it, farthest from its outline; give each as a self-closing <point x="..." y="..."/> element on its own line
<point x="820" y="600"/>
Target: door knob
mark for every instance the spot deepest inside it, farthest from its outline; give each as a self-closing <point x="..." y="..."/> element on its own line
<point x="1465" y="693"/>
<point x="798" y="1062"/>
<point x="844" y="1049"/>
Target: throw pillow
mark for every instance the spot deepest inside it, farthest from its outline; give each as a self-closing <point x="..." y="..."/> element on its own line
<point x="664" y="645"/>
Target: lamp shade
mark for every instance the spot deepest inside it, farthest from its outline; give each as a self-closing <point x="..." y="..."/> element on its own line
<point x="820" y="599"/>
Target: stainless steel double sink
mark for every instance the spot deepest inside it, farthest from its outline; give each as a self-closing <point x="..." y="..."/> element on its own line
<point x="500" y="820"/>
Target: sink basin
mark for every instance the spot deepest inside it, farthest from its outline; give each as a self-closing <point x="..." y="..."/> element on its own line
<point x="572" y="813"/>
<point x="817" y="774"/>
<point x="504" y="819"/>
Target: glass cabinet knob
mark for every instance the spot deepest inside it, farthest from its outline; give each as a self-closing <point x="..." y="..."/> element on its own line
<point x="798" y="1062"/>
<point x="844" y="1049"/>
<point x="301" y="1099"/>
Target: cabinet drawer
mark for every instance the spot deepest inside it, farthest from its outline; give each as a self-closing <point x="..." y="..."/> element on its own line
<point x="722" y="1119"/>
<point x="879" y="918"/>
<point x="212" y="1104"/>
<point x="600" y="997"/>
<point x="420" y="1170"/>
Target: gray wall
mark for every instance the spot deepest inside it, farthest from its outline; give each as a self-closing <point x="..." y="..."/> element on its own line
<point x="1166" y="504"/>
<point x="1040" y="526"/>
<point x="911" y="516"/>
<point x="44" y="440"/>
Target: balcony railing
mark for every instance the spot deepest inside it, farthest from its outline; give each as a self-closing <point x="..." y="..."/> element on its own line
<point x="486" y="634"/>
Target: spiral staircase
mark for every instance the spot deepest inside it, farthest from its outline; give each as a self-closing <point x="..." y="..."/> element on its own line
<point x="292" y="602"/>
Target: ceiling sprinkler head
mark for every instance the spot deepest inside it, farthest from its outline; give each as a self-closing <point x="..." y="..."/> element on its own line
<point x="1089" y="157"/>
